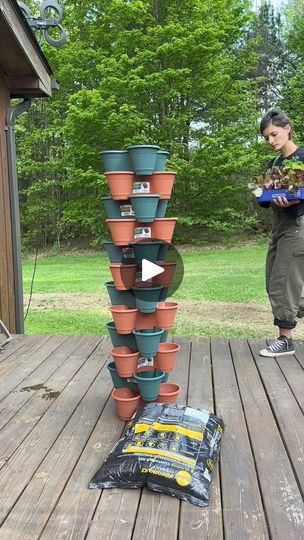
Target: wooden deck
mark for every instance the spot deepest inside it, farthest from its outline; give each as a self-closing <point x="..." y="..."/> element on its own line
<point x="57" y="424"/>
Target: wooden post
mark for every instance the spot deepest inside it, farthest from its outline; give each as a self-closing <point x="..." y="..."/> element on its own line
<point x="7" y="293"/>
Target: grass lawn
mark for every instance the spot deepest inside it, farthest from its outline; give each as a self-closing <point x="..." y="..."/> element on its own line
<point x="69" y="296"/>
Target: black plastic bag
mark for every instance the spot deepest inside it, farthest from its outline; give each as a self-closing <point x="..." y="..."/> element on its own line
<point x="168" y="448"/>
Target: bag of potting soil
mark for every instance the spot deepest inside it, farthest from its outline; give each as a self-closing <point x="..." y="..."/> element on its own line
<point x="168" y="448"/>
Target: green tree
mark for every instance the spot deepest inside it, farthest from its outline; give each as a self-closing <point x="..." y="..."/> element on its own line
<point x="165" y="72"/>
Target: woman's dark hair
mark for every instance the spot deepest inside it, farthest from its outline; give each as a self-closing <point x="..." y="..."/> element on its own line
<point x="277" y="118"/>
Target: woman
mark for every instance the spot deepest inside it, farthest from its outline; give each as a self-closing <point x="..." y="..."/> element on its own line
<point x="285" y="258"/>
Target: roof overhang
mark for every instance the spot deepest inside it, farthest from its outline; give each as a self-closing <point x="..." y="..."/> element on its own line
<point x="27" y="72"/>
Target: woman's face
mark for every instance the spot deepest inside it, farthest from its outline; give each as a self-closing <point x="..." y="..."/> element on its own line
<point x="277" y="136"/>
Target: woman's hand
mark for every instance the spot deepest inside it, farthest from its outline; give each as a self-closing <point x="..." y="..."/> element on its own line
<point x="282" y="202"/>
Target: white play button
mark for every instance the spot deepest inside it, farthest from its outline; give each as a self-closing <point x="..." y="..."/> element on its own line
<point x="149" y="270"/>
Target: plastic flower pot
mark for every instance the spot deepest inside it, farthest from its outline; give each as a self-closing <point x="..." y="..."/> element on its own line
<point x="168" y="393"/>
<point x="145" y="321"/>
<point x="148" y="340"/>
<point x="116" y="160"/>
<point x="166" y="356"/>
<point x="165" y="378"/>
<point x="126" y="401"/>
<point x="118" y="382"/>
<point x="163" y="250"/>
<point x="120" y="184"/>
<point x="163" y="295"/>
<point x="161" y="208"/>
<point x="166" y="278"/>
<point x="149" y="383"/>
<point x="164" y="336"/>
<point x="146" y="298"/>
<point x="121" y="340"/>
<point x="122" y="230"/>
<point x="165" y="314"/>
<point x="124" y="318"/>
<point x="143" y="158"/>
<point x="146" y="250"/>
<point x="163" y="228"/>
<point x="117" y="209"/>
<point x="145" y="207"/>
<point x="125" y="360"/>
<point x="114" y="253"/>
<point x="161" y="160"/>
<point x="162" y="183"/>
<point x="120" y="297"/>
<point x="123" y="275"/>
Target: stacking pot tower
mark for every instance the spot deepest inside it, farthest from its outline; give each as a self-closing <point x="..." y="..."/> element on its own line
<point x="142" y="356"/>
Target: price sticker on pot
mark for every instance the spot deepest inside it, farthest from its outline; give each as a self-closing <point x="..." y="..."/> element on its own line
<point x="142" y="232"/>
<point x="126" y="210"/>
<point x="128" y="253"/>
<point x="141" y="187"/>
<point x="145" y="362"/>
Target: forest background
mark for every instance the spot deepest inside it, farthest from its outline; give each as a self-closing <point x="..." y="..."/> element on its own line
<point x="194" y="77"/>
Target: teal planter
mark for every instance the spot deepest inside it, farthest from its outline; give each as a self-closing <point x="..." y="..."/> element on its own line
<point x="121" y="340"/>
<point x="145" y="207"/>
<point x="161" y="208"/>
<point x="165" y="378"/>
<point x="116" y="160"/>
<point x="146" y="250"/>
<point x="119" y="382"/>
<point x="163" y="294"/>
<point x="117" y="253"/>
<point x="143" y="158"/>
<point x="161" y="160"/>
<point x="164" y="337"/>
<point x="147" y="341"/>
<point x="120" y="297"/>
<point x="149" y="383"/>
<point x="146" y="298"/>
<point x="114" y="253"/>
<point x="117" y="209"/>
<point x="163" y="250"/>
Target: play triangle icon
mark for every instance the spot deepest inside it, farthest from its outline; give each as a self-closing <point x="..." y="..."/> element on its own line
<point x="149" y="270"/>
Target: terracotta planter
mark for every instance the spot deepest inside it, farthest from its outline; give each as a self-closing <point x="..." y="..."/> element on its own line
<point x="125" y="360"/>
<point x="168" y="393"/>
<point x="162" y="183"/>
<point x="165" y="314"/>
<point x="124" y="318"/>
<point x="120" y="184"/>
<point x="144" y="321"/>
<point x="123" y="275"/>
<point x="122" y="230"/>
<point x="166" y="356"/>
<point x="126" y="401"/>
<point x="163" y="228"/>
<point x="166" y="278"/>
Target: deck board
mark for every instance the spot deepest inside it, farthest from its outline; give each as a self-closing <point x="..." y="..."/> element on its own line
<point x="58" y="424"/>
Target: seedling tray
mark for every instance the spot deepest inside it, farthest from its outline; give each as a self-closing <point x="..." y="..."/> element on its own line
<point x="271" y="194"/>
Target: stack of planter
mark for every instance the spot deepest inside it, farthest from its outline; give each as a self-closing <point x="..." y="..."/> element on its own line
<point x="142" y="358"/>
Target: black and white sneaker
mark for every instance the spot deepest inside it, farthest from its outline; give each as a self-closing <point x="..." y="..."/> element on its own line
<point x="281" y="346"/>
